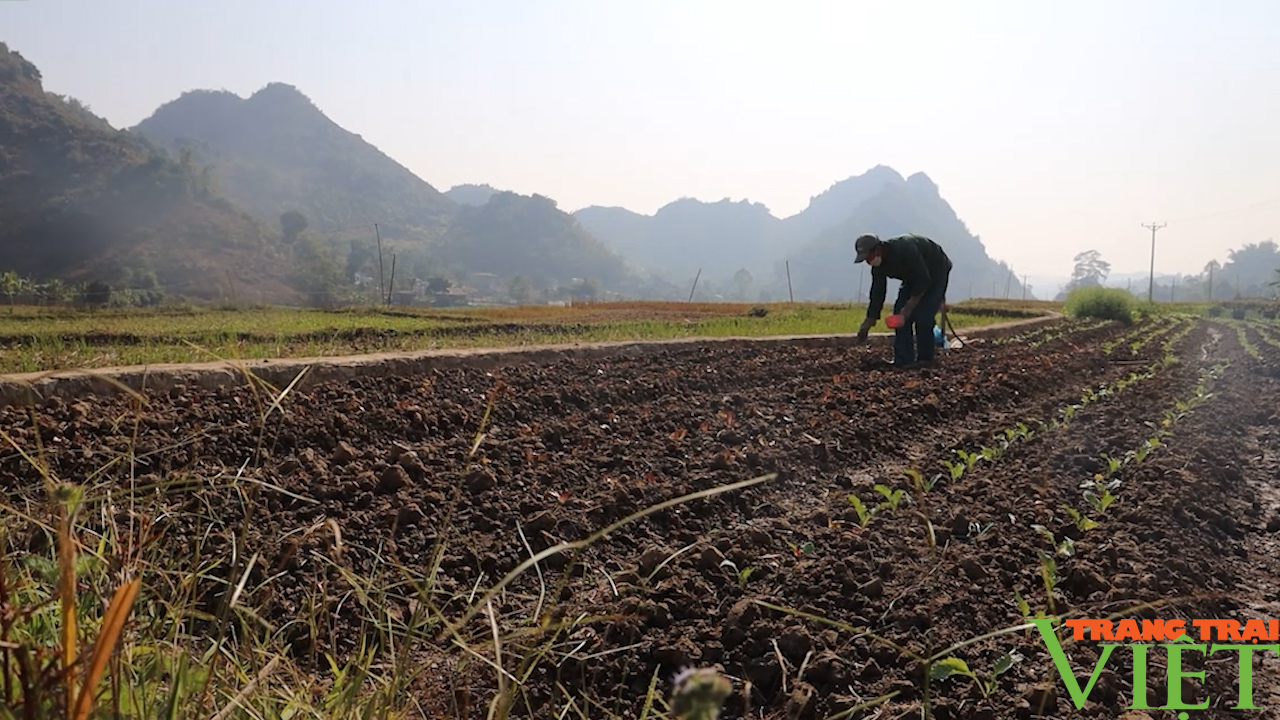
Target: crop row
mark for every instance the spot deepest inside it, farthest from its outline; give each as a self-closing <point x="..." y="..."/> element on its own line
<point x="1100" y="491"/>
<point x="913" y="504"/>
<point x="1006" y="438"/>
<point x="1050" y="337"/>
<point x="1098" y="494"/>
<point x="1144" y="334"/>
<point x="1265" y="330"/>
<point x="1047" y="333"/>
<point x="1022" y="431"/>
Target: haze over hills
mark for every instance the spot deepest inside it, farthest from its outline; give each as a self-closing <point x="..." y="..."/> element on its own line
<point x="725" y="237"/>
<point x="82" y="201"/>
<point x="246" y="184"/>
<point x="276" y="152"/>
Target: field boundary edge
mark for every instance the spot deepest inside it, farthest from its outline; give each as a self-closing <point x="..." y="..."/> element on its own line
<point x="36" y="387"/>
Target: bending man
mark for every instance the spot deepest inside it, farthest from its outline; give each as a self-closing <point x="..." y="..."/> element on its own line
<point x="924" y="269"/>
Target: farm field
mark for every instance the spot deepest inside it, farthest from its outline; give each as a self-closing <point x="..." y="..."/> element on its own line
<point x="42" y="339"/>
<point x="371" y="544"/>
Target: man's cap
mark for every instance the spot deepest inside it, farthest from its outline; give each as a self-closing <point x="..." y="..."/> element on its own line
<point x="865" y="244"/>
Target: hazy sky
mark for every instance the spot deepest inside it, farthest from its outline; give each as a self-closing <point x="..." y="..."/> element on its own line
<point x="1050" y="128"/>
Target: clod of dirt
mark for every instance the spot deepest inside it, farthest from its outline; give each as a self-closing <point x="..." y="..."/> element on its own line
<point x="798" y="700"/>
<point x="729" y="437"/>
<point x="1043" y="699"/>
<point x="794" y="643"/>
<point x="651" y="559"/>
<point x="480" y="479"/>
<point x="973" y="569"/>
<point x="409" y="515"/>
<point x="873" y="589"/>
<point x="738" y="622"/>
<point x="393" y="478"/>
<point x="540" y="521"/>
<point x="344" y="453"/>
<point x="1273" y="525"/>
<point x="1084" y="580"/>
<point x="412" y="464"/>
<point x="710" y="559"/>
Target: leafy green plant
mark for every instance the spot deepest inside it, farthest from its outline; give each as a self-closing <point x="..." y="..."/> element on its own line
<point x="864" y="514"/>
<point x="1083" y="522"/>
<point x="917" y="479"/>
<point x="892" y="497"/>
<point x="1100" y="497"/>
<point x="986" y="684"/>
<point x="1113" y="464"/>
<point x="970" y="458"/>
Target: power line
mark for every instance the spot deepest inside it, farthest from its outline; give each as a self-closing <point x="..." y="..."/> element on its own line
<point x="1151" y="287"/>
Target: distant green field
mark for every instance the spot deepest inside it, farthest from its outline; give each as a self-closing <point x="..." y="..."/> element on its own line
<point x="42" y="339"/>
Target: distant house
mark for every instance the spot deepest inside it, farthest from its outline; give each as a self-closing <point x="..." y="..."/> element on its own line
<point x="451" y="298"/>
<point x="485" y="282"/>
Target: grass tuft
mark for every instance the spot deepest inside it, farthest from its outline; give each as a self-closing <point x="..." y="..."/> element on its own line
<point x="1101" y="303"/>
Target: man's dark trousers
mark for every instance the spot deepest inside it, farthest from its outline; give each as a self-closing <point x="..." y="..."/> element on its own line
<point x="913" y="342"/>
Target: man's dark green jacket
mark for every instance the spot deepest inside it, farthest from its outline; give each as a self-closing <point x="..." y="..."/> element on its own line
<point x="917" y="261"/>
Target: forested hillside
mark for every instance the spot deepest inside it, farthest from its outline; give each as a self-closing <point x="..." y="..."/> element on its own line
<point x="81" y="201"/>
<point x="278" y="154"/>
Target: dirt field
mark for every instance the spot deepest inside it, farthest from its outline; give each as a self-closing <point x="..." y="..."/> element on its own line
<point x="435" y="500"/>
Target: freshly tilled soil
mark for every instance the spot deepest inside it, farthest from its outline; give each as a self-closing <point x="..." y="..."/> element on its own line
<point x="415" y="475"/>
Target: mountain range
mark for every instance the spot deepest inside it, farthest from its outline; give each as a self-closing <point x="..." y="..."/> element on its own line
<point x="266" y="197"/>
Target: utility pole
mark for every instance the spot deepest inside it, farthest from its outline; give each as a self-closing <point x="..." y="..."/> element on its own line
<point x="1024" y="287"/>
<point x="1151" y="286"/>
<point x="1210" y="298"/>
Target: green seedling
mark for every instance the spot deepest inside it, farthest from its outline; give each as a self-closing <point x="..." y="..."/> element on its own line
<point x="1049" y="574"/>
<point x="1148" y="445"/>
<point x="986" y="684"/>
<point x="1113" y="464"/>
<point x="1081" y="520"/>
<point x="864" y="514"/>
<point x="742" y="576"/>
<point x="955" y="468"/>
<point x="1100" y="499"/>
<point x="917" y="479"/>
<point x="891" y="497"/>
<point x="1066" y="548"/>
<point x="970" y="458"/>
<point x="806" y="548"/>
<point x="1024" y="607"/>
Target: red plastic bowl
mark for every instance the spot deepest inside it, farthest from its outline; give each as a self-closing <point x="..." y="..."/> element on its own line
<point x="893" y="321"/>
